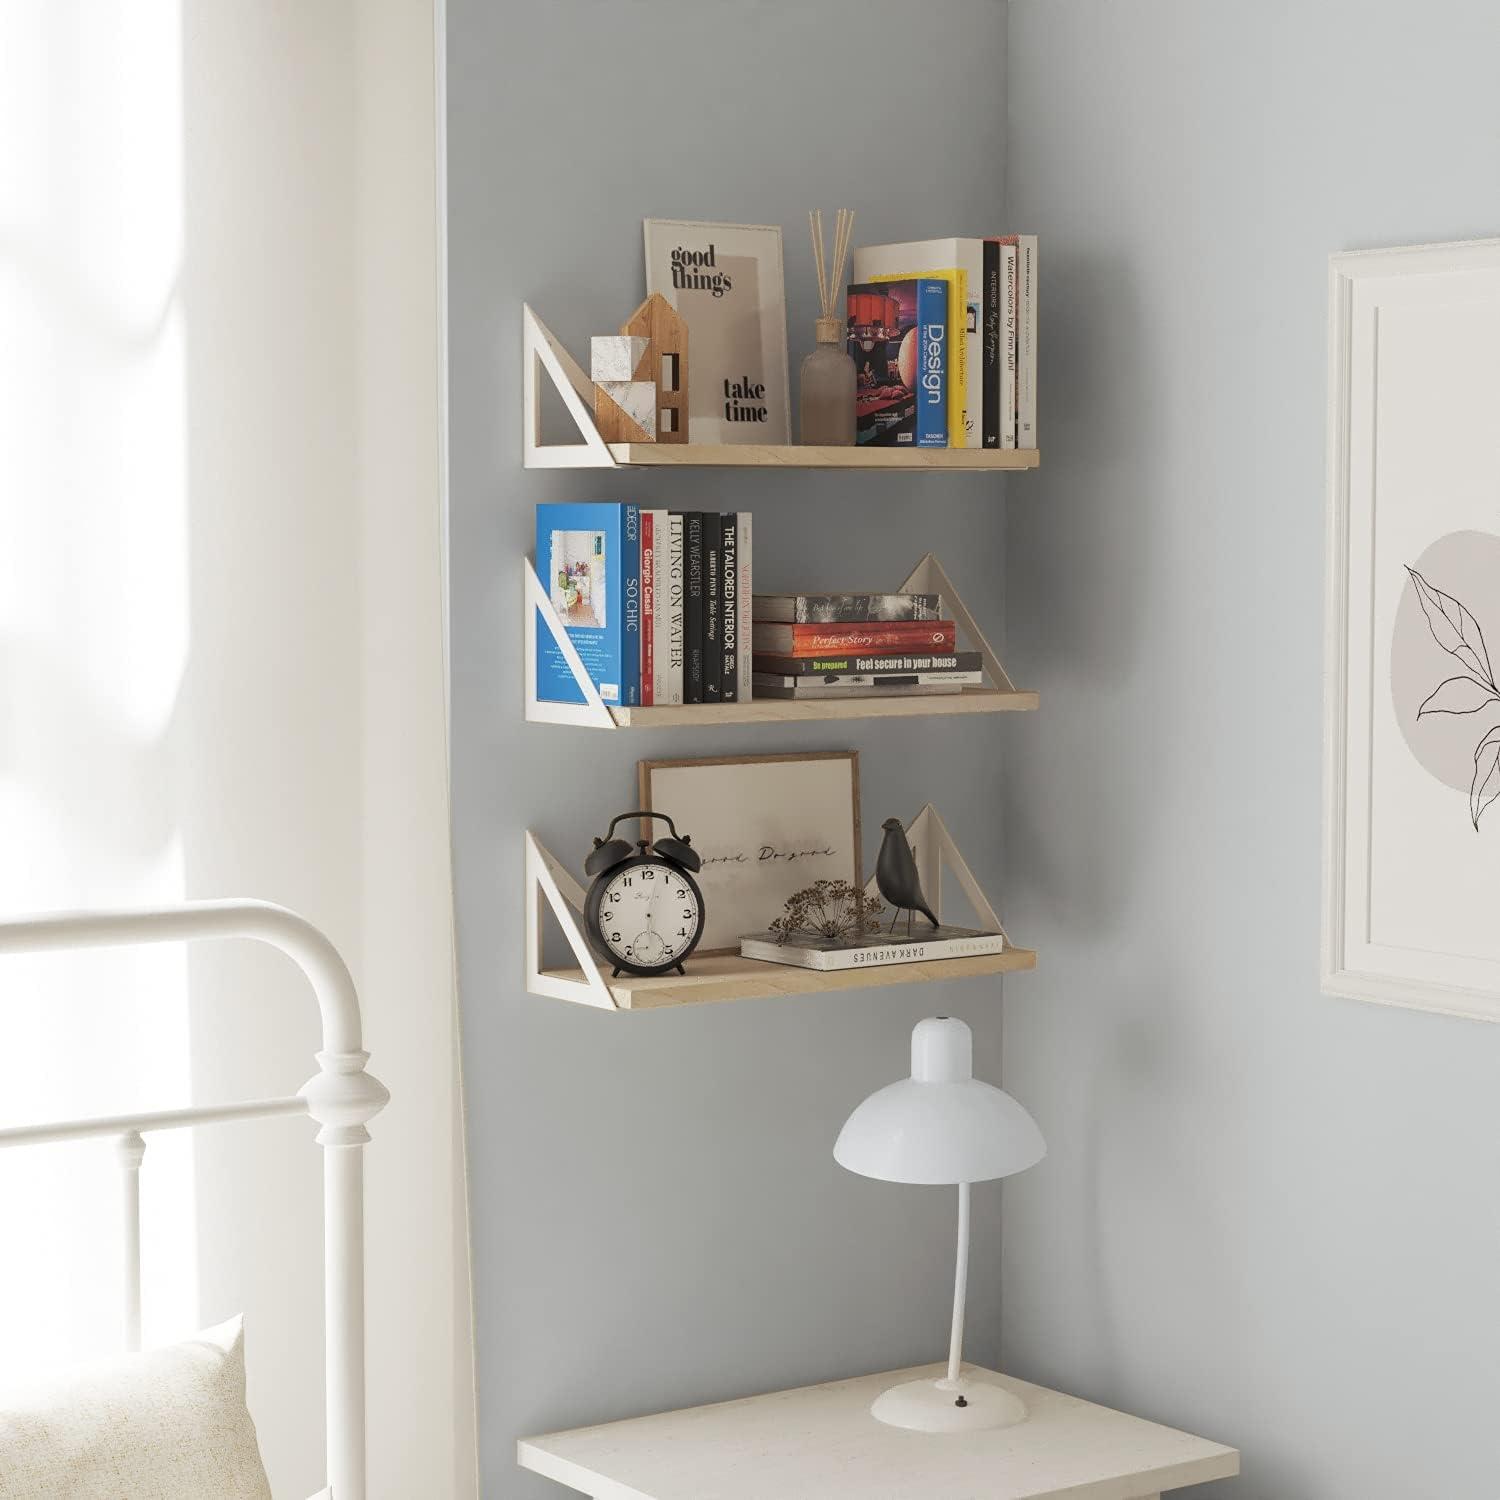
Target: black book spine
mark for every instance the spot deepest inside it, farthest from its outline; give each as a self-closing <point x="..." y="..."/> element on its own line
<point x="692" y="609"/>
<point x="713" y="609"/>
<point x="993" y="353"/>
<point x="729" y="595"/>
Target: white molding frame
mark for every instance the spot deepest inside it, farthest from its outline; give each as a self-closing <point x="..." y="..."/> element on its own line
<point x="341" y="1097"/>
<point x="928" y="577"/>
<point x="1338" y="975"/>
<point x="547" y="880"/>
<point x="540" y="351"/>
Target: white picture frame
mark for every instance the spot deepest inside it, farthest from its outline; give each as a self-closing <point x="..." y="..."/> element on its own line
<point x="803" y="807"/>
<point x="1411" y="842"/>
<point x="732" y="294"/>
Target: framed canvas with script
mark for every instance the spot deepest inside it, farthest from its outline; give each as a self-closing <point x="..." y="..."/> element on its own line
<point x="728" y="283"/>
<point x="765" y="827"/>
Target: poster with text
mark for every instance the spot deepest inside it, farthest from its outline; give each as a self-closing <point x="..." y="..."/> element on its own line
<point x="728" y="283"/>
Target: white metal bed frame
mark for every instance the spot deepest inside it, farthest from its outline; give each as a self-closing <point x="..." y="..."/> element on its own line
<point x="341" y="1097"/>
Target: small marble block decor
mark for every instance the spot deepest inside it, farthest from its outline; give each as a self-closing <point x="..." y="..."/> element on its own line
<point x="640" y="377"/>
<point x="624" y="394"/>
<point x="616" y="356"/>
<point x="637" y="399"/>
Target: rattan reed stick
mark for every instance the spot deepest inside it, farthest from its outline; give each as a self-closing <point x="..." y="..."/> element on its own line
<point x="829" y="286"/>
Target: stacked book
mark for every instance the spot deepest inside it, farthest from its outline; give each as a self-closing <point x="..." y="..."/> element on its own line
<point x="976" y="345"/>
<point x="656" y="602"/>
<point x="857" y="646"/>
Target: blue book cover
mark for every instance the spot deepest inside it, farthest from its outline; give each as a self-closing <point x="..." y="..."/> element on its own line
<point x="589" y="560"/>
<point x="932" y="363"/>
<point x="898" y="340"/>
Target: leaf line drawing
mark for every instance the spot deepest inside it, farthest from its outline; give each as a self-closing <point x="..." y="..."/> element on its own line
<point x="1456" y="630"/>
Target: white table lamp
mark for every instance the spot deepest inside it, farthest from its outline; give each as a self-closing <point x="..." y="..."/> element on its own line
<point x="942" y="1125"/>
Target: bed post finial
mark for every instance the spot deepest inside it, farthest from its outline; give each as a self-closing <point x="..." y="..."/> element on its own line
<point x="342" y="1098"/>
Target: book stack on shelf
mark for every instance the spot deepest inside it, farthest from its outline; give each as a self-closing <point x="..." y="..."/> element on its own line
<point x="857" y="646"/>
<point x="943" y="335"/>
<point x="656" y="602"/>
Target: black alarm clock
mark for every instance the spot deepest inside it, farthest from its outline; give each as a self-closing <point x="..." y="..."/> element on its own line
<point x="644" y="911"/>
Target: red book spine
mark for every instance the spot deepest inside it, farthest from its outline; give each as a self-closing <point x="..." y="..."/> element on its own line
<point x="894" y="636"/>
<point x="648" y="611"/>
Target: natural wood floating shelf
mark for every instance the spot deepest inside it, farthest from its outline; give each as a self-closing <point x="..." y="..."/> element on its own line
<point x="998" y="695"/>
<point x="542" y="353"/>
<point x="793" y="456"/>
<point x="727" y="976"/>
<point x="972" y="700"/>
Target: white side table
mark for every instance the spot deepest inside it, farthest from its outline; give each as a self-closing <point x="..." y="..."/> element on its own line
<point x="821" y="1443"/>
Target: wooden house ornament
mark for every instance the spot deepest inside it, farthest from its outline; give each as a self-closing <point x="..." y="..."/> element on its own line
<point x="666" y="363"/>
<point x="640" y="377"/>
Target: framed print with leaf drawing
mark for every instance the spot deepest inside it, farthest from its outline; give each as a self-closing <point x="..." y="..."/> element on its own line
<point x="1412" y="736"/>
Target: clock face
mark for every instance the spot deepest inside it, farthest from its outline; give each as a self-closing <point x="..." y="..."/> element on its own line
<point x="649" y="915"/>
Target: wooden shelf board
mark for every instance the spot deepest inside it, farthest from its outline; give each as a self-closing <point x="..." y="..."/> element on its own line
<point x="727" y="976"/>
<point x="794" y="456"/>
<point x="974" y="700"/>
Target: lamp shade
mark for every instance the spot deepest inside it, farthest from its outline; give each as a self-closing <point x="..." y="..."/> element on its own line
<point x="941" y="1125"/>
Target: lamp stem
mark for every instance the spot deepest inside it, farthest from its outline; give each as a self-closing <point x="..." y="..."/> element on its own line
<point x="960" y="1285"/>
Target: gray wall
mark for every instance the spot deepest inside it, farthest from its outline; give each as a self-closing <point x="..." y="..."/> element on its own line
<point x="657" y="1218"/>
<point x="1267" y="1215"/>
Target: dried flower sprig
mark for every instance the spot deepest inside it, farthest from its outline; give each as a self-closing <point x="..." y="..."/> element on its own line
<point x="830" y="909"/>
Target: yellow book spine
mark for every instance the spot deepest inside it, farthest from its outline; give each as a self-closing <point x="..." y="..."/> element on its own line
<point x="958" y="345"/>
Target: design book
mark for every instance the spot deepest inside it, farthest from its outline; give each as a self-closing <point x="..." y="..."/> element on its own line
<point x="898" y="340"/>
<point x="992" y="328"/>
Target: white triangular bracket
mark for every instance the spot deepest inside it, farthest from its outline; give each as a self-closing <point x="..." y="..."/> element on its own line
<point x="593" y="712"/>
<point x="540" y="351"/>
<point x="546" y="877"/>
<point x="933" y="847"/>
<point x="928" y="577"/>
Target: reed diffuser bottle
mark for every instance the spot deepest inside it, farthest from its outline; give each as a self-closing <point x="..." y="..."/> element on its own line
<point x="827" y="377"/>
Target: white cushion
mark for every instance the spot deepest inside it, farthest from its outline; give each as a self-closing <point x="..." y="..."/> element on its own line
<point x="170" y="1424"/>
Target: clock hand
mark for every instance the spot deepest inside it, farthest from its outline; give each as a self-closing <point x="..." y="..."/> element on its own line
<point x="651" y="907"/>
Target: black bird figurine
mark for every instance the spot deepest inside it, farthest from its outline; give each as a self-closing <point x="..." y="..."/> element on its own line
<point x="896" y="875"/>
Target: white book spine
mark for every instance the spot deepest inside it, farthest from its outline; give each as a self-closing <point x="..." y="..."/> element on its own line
<point x="660" y="613"/>
<point x="674" y="600"/>
<point x="743" y="605"/>
<point x="1026" y="375"/>
<point x="875" y="956"/>
<point x="1009" y="345"/>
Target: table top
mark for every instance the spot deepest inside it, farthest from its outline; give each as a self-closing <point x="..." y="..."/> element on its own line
<point x="821" y="1443"/>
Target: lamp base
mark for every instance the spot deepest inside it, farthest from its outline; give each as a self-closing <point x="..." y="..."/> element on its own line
<point x="960" y="1405"/>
